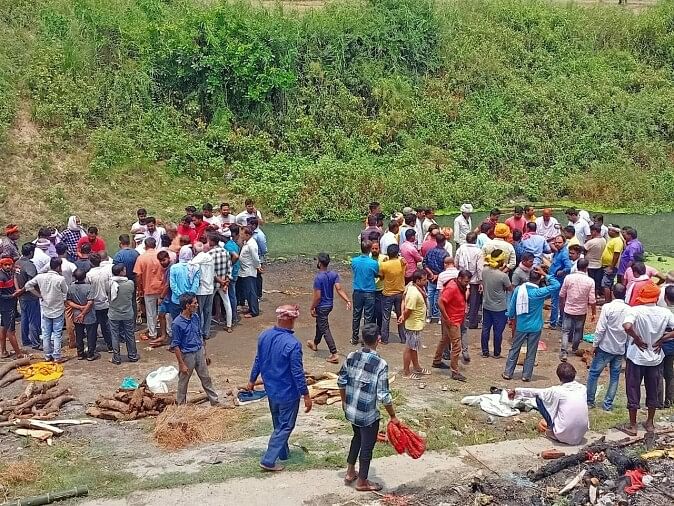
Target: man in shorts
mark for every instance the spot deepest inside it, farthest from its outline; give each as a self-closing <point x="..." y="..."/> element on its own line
<point x="413" y="317"/>
<point x="7" y="308"/>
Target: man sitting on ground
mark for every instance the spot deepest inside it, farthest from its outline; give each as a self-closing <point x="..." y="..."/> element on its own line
<point x="563" y="407"/>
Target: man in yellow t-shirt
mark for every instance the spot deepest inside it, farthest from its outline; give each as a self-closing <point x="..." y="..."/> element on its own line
<point x="610" y="259"/>
<point x="414" y="318"/>
<point x="376" y="254"/>
<point x="392" y="275"/>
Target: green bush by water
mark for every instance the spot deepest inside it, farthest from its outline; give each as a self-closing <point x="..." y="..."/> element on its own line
<point x="315" y="114"/>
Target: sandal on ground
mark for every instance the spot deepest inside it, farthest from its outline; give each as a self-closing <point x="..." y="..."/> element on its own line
<point x="229" y="330"/>
<point x="651" y="430"/>
<point x="6" y="355"/>
<point x="312" y="346"/>
<point x="332" y="360"/>
<point x="507" y="378"/>
<point x="414" y="376"/>
<point x="370" y="487"/>
<point x="350" y="481"/>
<point x="423" y="372"/>
<point x="275" y="469"/>
<point x="627" y="429"/>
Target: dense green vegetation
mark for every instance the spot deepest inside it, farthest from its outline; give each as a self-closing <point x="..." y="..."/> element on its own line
<point x="316" y="113"/>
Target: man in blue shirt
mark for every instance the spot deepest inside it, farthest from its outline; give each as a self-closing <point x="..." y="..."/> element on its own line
<point x="364" y="269"/>
<point x="279" y="361"/>
<point x="527" y="311"/>
<point x="128" y="256"/>
<point x="434" y="264"/>
<point x="535" y="244"/>
<point x="560" y="267"/>
<point x="190" y="349"/>
<point x="231" y="245"/>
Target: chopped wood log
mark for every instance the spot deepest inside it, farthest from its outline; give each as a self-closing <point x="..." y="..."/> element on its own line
<point x="54" y="405"/>
<point x="148" y="404"/>
<point x="41" y="399"/>
<point x="197" y="399"/>
<point x="10" y="378"/>
<point x="313" y="393"/>
<point x="565" y="462"/>
<point x="124" y="396"/>
<point x="39" y="425"/>
<point x="321" y="399"/>
<point x="42" y="435"/>
<point x="105" y="414"/>
<point x="137" y="399"/>
<point x="114" y="406"/>
<point x="4" y="369"/>
<point x="74" y="421"/>
<point x="333" y="400"/>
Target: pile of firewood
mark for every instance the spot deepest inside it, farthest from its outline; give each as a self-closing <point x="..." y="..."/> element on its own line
<point x="39" y="401"/>
<point x="323" y="388"/>
<point x="9" y="373"/>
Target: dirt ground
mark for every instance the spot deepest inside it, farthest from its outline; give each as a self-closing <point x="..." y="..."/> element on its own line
<point x="109" y="452"/>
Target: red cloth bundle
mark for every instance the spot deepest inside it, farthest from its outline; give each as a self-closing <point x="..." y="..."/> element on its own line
<point x="404" y="439"/>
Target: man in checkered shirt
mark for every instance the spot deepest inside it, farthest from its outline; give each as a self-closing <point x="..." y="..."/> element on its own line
<point x="222" y="264"/>
<point x="363" y="383"/>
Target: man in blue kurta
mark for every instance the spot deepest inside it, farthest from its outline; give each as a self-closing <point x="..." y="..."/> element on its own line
<point x="279" y="361"/>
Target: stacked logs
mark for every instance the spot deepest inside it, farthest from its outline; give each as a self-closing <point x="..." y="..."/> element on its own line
<point x="39" y="401"/>
<point x="323" y="388"/>
<point x="9" y="373"/>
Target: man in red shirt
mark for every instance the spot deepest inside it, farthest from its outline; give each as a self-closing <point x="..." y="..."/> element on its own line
<point x="97" y="244"/>
<point x="517" y="221"/>
<point x="452" y="304"/>
<point x="200" y="225"/>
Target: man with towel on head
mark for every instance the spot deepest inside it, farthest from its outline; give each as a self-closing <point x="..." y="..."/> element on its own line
<point x="279" y="361"/>
<point x="9" y="247"/>
<point x="463" y="224"/>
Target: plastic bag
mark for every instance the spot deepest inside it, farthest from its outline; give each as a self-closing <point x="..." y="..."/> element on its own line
<point x="157" y="379"/>
<point x="129" y="383"/>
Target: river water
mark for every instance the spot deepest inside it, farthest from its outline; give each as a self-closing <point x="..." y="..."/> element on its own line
<point x="656" y="232"/>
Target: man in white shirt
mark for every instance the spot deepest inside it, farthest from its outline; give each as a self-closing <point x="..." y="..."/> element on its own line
<point x="408" y="224"/>
<point x="152" y="230"/>
<point x="563" y="407"/>
<point x="429" y="219"/>
<point x="249" y="259"/>
<point x="207" y="211"/>
<point x="463" y="224"/>
<point x="100" y="277"/>
<point x="139" y="226"/>
<point x="609" y="347"/>
<point x="648" y="326"/>
<point x="225" y="218"/>
<point x="249" y="212"/>
<point x="389" y="236"/>
<point x="419" y="226"/>
<point x="581" y="226"/>
<point x="206" y="289"/>
<point x="40" y="257"/>
<point x="547" y="225"/>
<point x="469" y="257"/>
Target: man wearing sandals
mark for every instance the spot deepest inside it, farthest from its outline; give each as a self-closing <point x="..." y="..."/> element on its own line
<point x="413" y="317"/>
<point x="452" y="304"/>
<point x="646" y="325"/>
<point x="363" y="384"/>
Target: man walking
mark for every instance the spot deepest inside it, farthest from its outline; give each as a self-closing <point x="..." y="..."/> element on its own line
<point x="279" y="361"/>
<point x="261" y="240"/>
<point x="29" y="304"/>
<point x="128" y="256"/>
<point x="609" y="347"/>
<point x="232" y="246"/>
<point x="633" y="248"/>
<point x="559" y="268"/>
<point x="52" y="290"/>
<point x="609" y="260"/>
<point x="576" y="295"/>
<point x="365" y="269"/>
<point x="526" y="309"/>
<point x="463" y="224"/>
<point x="190" y="349"/>
<point x="594" y="249"/>
<point x="325" y="284"/>
<point x="469" y="257"/>
<point x="121" y="314"/>
<point x="452" y="305"/>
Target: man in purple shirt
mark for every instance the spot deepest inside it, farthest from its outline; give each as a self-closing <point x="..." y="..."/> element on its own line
<point x="279" y="361"/>
<point x="633" y="247"/>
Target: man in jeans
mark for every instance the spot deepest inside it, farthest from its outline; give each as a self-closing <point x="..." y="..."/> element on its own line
<point x="363" y="385"/>
<point x="149" y="283"/>
<point x="29" y="304"/>
<point x="99" y="279"/>
<point x="120" y="313"/>
<point x="80" y="300"/>
<point x="577" y="293"/>
<point x="452" y="305"/>
<point x="496" y="285"/>
<point x="434" y="264"/>
<point x="279" y="361"/>
<point x="469" y="257"/>
<point x="250" y="266"/>
<point x="51" y="288"/>
<point x="365" y="269"/>
<point x="205" y="292"/>
<point x="392" y="274"/>
<point x="609" y="347"/>
<point x="526" y="308"/>
<point x="325" y="283"/>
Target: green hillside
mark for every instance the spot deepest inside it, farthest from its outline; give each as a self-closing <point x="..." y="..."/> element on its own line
<point x="316" y="113"/>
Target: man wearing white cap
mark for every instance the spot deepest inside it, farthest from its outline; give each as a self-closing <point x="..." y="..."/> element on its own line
<point x="463" y="224"/>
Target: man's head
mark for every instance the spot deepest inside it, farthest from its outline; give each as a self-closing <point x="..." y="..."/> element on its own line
<point x="534" y="277"/>
<point x="619" y="291"/>
<point x="323" y="260"/>
<point x="151" y="224"/>
<point x="286" y="315"/>
<point x="421" y="213"/>
<point x="638" y="269"/>
<point x="572" y="214"/>
<point x="669" y="295"/>
<point x="141" y="213"/>
<point x="124" y="241"/>
<point x="28" y="249"/>
<point x="463" y="279"/>
<point x="85" y="249"/>
<point x="119" y="270"/>
<point x="250" y="206"/>
<point x="253" y="222"/>
<point x="198" y="247"/>
<point x="410" y="220"/>
<point x="440" y="240"/>
<point x="529" y="211"/>
<point x="392" y="251"/>
<point x="365" y="247"/>
<point x="43" y="233"/>
<point x="518" y="212"/>
<point x="569" y="232"/>
<point x="370" y="335"/>
<point x="558" y="242"/>
<point x="245" y="233"/>
<point x="527" y="260"/>
<point x="471" y="237"/>
<point x="430" y="213"/>
<point x="12" y="231"/>
<point x="6" y="264"/>
<point x="393" y="226"/>
<point x="531" y="227"/>
<point x="61" y="249"/>
<point x="433" y="230"/>
<point x="224" y="209"/>
<point x="150" y="243"/>
<point x="583" y="264"/>
<point x="92" y="233"/>
<point x="165" y="241"/>
<point x="235" y="230"/>
<point x="207" y="209"/>
<point x="419" y="278"/>
<point x="598" y="219"/>
<point x="410" y="235"/>
<point x="198" y="218"/>
<point x="80" y="275"/>
<point x="374" y="248"/>
<point x="95" y="259"/>
<point x="190" y="210"/>
<point x="613" y="230"/>
<point x="467" y="210"/>
<point x="186" y="221"/>
<point x="494" y="214"/>
<point x="486" y="228"/>
<point x="188" y="303"/>
<point x="371" y="220"/>
<point x="575" y="250"/>
<point x="517" y="235"/>
<point x="448" y="262"/>
<point x="629" y="234"/>
<point x="566" y="372"/>
<point x="164" y="258"/>
<point x="374" y="208"/>
<point x="213" y="240"/>
<point x="55" y="264"/>
<point x="595" y="231"/>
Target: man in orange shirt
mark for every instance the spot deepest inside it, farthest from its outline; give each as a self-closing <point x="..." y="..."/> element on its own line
<point x="150" y="284"/>
<point x="452" y="304"/>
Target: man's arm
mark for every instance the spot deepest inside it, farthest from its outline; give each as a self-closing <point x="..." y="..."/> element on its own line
<point x="629" y="330"/>
<point x="600" y="331"/>
<point x="297" y="371"/>
<point x="343" y="295"/>
<point x="315" y="300"/>
<point x="32" y="287"/>
<point x="592" y="300"/>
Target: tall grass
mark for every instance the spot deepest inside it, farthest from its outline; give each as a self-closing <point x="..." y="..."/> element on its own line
<point x="401" y="101"/>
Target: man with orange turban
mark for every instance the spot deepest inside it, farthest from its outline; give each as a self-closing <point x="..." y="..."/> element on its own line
<point x="501" y="241"/>
<point x="7" y="308"/>
<point x="647" y="326"/>
<point x="8" y="244"/>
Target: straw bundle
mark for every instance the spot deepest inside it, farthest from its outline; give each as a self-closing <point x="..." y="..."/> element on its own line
<point x="182" y="426"/>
